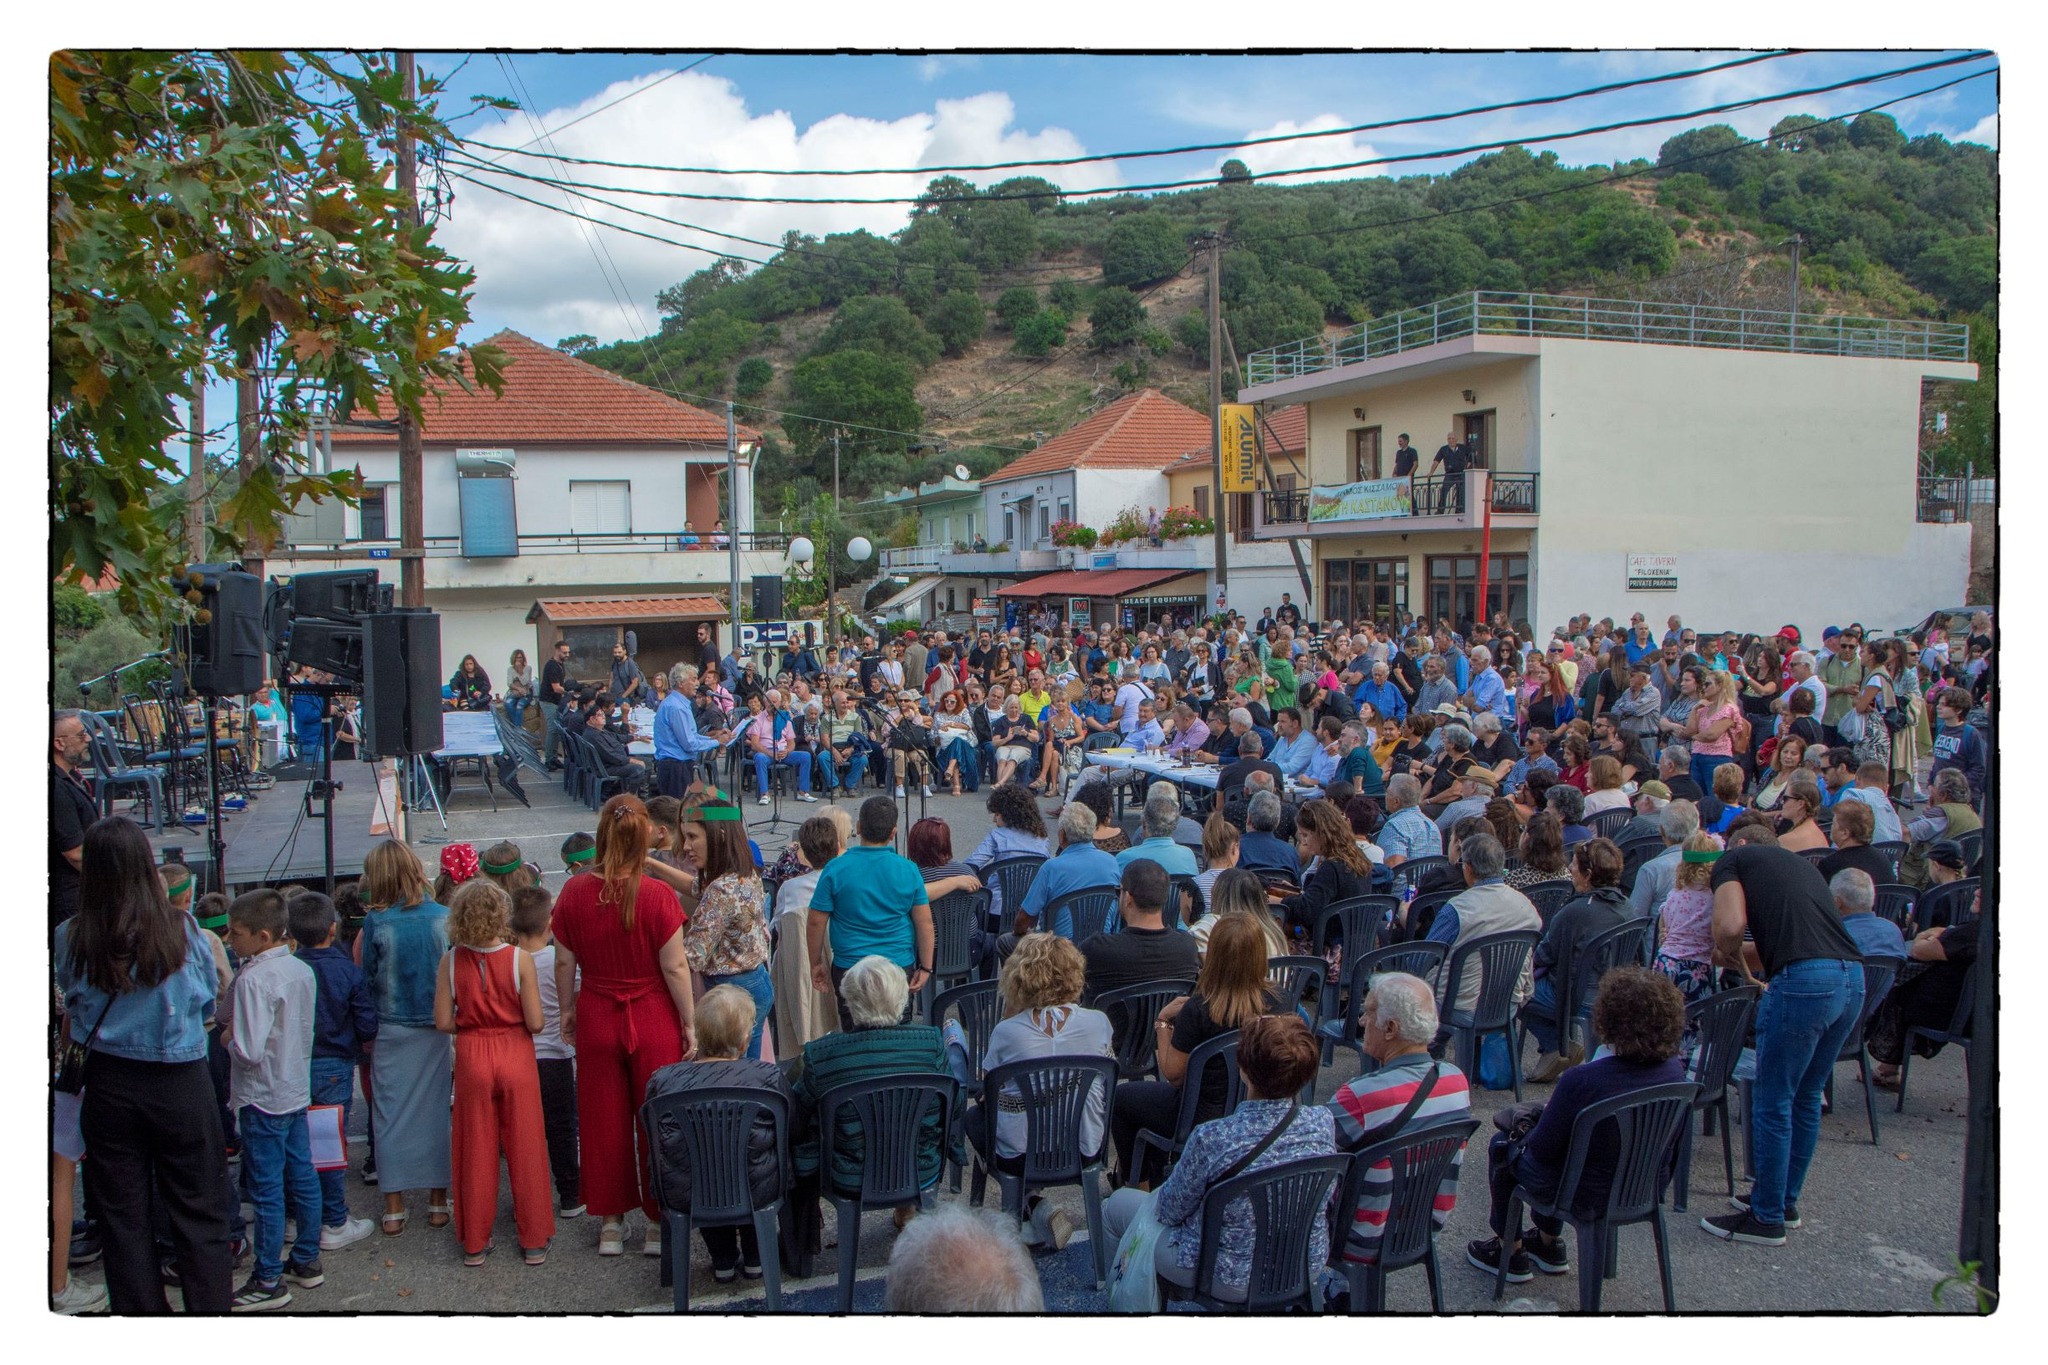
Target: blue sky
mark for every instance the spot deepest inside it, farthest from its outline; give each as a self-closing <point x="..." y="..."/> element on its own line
<point x="541" y="273"/>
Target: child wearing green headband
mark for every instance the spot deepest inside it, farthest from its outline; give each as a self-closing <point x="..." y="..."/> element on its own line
<point x="577" y="852"/>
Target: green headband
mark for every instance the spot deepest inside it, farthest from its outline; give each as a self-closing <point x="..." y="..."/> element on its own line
<point x="179" y="888"/>
<point x="713" y="813"/>
<point x="500" y="869"/>
<point x="581" y="856"/>
<point x="215" y="922"/>
<point x="1705" y="855"/>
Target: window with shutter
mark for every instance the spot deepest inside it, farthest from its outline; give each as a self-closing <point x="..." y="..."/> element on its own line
<point x="600" y="507"/>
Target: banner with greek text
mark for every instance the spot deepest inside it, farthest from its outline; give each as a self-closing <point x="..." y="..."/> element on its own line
<point x="1367" y="500"/>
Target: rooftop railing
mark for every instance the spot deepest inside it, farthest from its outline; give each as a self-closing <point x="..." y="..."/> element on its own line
<point x="1584" y="319"/>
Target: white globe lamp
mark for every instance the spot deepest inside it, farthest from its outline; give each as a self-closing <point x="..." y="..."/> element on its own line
<point x="801" y="551"/>
<point x="859" y="549"/>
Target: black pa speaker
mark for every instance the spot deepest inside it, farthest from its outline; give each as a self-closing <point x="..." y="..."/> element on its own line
<point x="767" y="597"/>
<point x="401" y="683"/>
<point x="344" y="595"/>
<point x="226" y="658"/>
<point x="328" y="646"/>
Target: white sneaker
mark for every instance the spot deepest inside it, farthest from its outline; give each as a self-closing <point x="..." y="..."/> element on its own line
<point x="807" y="798"/>
<point x="765" y="798"/>
<point x="79" y="1297"/>
<point x="572" y="1211"/>
<point x="347" y="1235"/>
<point x="611" y="1239"/>
<point x="928" y="789"/>
<point x="650" y="1245"/>
<point x="899" y="791"/>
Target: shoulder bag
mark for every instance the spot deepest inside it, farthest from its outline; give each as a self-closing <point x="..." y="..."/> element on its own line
<point x="68" y="1077"/>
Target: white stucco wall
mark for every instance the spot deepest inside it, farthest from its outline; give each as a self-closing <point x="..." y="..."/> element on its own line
<point x="544" y="475"/>
<point x="1426" y="407"/>
<point x="1105" y="492"/>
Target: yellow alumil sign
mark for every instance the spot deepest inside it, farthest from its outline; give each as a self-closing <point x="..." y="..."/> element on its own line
<point x="1240" y="447"/>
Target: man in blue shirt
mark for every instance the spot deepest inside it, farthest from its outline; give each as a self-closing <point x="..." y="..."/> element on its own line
<point x="1487" y="692"/>
<point x="1162" y="815"/>
<point x="1407" y="832"/>
<point x="1148" y="733"/>
<point x="1293" y="747"/>
<point x="1855" y="898"/>
<point x="1078" y="866"/>
<point x="677" y="745"/>
<point x="870" y="901"/>
<point x="1382" y="695"/>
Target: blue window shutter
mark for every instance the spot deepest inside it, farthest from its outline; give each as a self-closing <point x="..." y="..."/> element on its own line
<point x="490" y="519"/>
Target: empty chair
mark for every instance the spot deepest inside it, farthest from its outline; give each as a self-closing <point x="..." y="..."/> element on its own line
<point x="979" y="1008"/>
<point x="714" y="1124"/>
<point x="1424" y="959"/>
<point x="1550" y="896"/>
<point x="1500" y="960"/>
<point x="1217" y="1052"/>
<point x="1878" y="973"/>
<point x="111" y="773"/>
<point x="1971" y="842"/>
<point x="1422" y="910"/>
<point x="1644" y="1124"/>
<point x="1092" y="910"/>
<point x="1411" y="872"/>
<point x="1420" y="1162"/>
<point x="1620" y="946"/>
<point x="1056" y="1096"/>
<point x="1297" y="980"/>
<point x="1288" y="1200"/>
<point x="1359" y="924"/>
<point x="1131" y="1010"/>
<point x="955" y="918"/>
<point x="891" y="1113"/>
<point x="1720" y="1026"/>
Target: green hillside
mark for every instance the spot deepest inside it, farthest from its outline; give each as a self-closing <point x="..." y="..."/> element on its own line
<point x="1002" y="311"/>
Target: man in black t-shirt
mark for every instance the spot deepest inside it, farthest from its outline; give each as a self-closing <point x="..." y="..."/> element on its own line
<point x="1289" y="614"/>
<point x="1405" y="457"/>
<point x="554" y="690"/>
<point x="1143" y="949"/>
<point x="1814" y="996"/>
<point x="71" y="812"/>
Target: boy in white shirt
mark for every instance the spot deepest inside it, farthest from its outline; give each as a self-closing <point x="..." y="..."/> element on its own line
<point x="532" y="918"/>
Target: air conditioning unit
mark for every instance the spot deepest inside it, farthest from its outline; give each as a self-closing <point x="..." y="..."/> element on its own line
<point x="1067" y="558"/>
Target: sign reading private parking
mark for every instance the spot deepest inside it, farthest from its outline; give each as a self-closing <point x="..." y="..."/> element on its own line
<point x="1651" y="573"/>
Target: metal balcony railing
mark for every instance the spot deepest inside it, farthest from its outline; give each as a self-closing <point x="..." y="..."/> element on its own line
<point x="913" y="557"/>
<point x="1946" y="498"/>
<point x="1429" y="496"/>
<point x="1282" y="508"/>
<point x="1587" y="319"/>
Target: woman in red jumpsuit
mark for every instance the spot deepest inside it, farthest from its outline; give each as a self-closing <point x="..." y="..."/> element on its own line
<point x="631" y="1015"/>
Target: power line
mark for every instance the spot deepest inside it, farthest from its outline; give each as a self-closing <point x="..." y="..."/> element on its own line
<point x="550" y="132"/>
<point x="1433" y="155"/>
<point x="1190" y="148"/>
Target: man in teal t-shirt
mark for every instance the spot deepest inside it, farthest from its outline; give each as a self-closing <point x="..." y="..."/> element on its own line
<point x="870" y="901"/>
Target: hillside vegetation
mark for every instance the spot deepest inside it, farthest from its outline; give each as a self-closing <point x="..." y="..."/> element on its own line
<point x="1001" y="312"/>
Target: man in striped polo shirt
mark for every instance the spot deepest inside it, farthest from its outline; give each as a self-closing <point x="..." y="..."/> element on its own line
<point x="1397" y="1024"/>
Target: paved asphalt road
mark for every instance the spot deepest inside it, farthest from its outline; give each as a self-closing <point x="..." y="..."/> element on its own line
<point x="1880" y="1220"/>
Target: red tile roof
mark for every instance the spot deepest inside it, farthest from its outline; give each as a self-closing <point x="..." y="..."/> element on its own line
<point x="1147" y="430"/>
<point x="554" y="399"/>
<point x="1090" y="583"/>
<point x="108" y="580"/>
<point x="626" y="608"/>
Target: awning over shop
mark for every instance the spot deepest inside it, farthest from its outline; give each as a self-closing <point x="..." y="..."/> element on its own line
<point x="1093" y="583"/>
<point x="921" y="587"/>
<point x="607" y="610"/>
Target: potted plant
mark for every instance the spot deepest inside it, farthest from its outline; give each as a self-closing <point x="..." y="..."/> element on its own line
<point x="1128" y="525"/>
<point x="1181" y="522"/>
<point x="1074" y="535"/>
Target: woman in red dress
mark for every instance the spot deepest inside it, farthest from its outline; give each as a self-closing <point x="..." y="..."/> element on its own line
<point x="631" y="1015"/>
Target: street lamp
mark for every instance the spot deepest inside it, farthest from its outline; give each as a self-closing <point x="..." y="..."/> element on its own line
<point x="802" y="551"/>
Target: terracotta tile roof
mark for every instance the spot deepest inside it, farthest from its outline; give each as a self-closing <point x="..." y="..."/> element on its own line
<point x="555" y="399"/>
<point x="108" y="580"/>
<point x="1147" y="430"/>
<point x="626" y="608"/>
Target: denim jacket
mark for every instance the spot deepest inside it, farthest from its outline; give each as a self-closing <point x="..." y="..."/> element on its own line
<point x="166" y="1023"/>
<point x="402" y="951"/>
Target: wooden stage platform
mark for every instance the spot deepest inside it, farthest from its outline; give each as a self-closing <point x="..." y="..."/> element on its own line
<point x="271" y="842"/>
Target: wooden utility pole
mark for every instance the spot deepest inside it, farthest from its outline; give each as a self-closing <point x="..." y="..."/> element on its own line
<point x="412" y="512"/>
<point x="195" y="476"/>
<point x="1222" y="501"/>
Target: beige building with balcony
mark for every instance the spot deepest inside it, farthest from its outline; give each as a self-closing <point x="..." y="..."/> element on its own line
<point x="1730" y="467"/>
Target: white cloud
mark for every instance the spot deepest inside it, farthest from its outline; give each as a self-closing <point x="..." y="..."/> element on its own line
<point x="1985" y="131"/>
<point x="537" y="271"/>
<point x="1322" y="151"/>
<point x="938" y="64"/>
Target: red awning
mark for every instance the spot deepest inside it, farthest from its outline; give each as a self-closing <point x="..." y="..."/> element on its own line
<point x="1091" y="583"/>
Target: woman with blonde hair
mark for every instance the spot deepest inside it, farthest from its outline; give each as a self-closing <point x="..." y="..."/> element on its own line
<point x="404" y="936"/>
<point x="1710" y="729"/>
<point x="1231" y="992"/>
<point x="631" y="1015"/>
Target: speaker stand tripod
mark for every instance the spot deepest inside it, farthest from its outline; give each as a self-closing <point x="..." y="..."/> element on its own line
<point x="422" y="774"/>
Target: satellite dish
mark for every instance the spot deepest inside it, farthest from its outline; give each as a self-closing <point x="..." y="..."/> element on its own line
<point x="960" y="472"/>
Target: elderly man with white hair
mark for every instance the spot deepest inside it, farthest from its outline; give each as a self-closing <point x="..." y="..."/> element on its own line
<point x="955" y="1260"/>
<point x="1260" y="849"/>
<point x="1677" y="822"/>
<point x="677" y="744"/>
<point x="1397" y="1024"/>
<point x="1436" y="689"/>
<point x="1487" y="692"/>
<point x="1800" y="665"/>
<point x="1381" y="694"/>
<point x="1160" y="820"/>
<point x="1407" y="833"/>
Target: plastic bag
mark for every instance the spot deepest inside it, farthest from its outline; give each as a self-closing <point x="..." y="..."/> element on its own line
<point x="1133" y="1285"/>
<point x="1496" y="1069"/>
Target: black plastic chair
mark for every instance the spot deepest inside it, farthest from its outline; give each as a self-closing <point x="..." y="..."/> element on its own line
<point x="1411" y="872"/>
<point x="1608" y="823"/>
<point x="1634" y="853"/>
<point x="1896" y="902"/>
<point x="715" y="1124"/>
<point x="1891" y="851"/>
<point x="1054" y="1092"/>
<point x="979" y="1006"/>
<point x="1361" y="924"/>
<point x="1183" y="900"/>
<point x="1218" y="1051"/>
<point x="1341" y="1028"/>
<point x="891" y="1113"/>
<point x="1501" y="959"/>
<point x="1971" y="842"/>
<point x="1092" y="908"/>
<point x="1815" y="855"/>
<point x="1011" y="878"/>
<point x="111" y="772"/>
<point x="1132" y="1010"/>
<point x="1287" y="1200"/>
<point x="1957" y="1032"/>
<point x="1419" y="1162"/>
<point x="1297" y="980"/>
<point x="1621" y="946"/>
<point x="1647" y="1122"/>
<point x="1938" y="907"/>
<point x="955" y="918"/>
<point x="1878" y="975"/>
<point x="1422" y="910"/>
<point x="1549" y="896"/>
<point x="1720" y="1023"/>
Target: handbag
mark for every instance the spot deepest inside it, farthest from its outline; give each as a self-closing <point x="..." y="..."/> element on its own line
<point x="68" y="1077"/>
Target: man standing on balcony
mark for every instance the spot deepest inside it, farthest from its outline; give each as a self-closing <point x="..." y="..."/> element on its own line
<point x="1405" y="457"/>
<point x="1453" y="456"/>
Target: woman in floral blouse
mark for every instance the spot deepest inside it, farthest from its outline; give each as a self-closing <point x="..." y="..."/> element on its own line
<point x="726" y="939"/>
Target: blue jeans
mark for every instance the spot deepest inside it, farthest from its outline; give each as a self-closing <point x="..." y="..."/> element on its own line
<point x="515" y="707"/>
<point x="761" y="987"/>
<point x="1703" y="766"/>
<point x="1807" y="1012"/>
<point x="1539" y="1015"/>
<point x="278" y="1157"/>
<point x="797" y="759"/>
<point x="334" y="1082"/>
<point x="828" y="768"/>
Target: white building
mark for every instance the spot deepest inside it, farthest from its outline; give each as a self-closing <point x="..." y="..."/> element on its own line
<point x="1713" y="463"/>
<point x="573" y="485"/>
